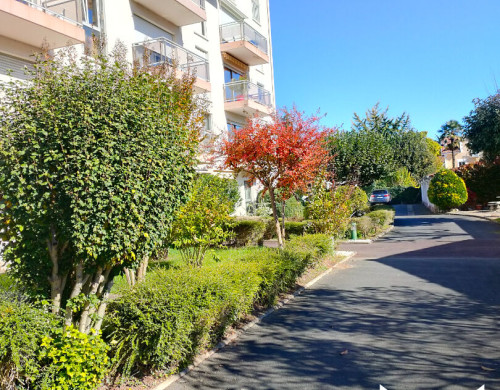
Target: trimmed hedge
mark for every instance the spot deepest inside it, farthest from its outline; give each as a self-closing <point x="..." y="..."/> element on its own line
<point x="249" y="232"/>
<point x="165" y="321"/>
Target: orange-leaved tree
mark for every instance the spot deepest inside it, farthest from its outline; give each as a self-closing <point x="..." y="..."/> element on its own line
<point x="284" y="154"/>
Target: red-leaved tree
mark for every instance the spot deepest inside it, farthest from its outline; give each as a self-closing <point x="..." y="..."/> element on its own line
<point x="284" y="154"/>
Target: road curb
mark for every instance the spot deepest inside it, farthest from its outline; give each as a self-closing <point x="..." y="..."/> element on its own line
<point x="200" y="359"/>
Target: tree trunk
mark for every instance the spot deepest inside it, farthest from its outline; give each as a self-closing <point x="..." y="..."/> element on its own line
<point x="57" y="282"/>
<point x="143" y="267"/>
<point x="283" y="203"/>
<point x="86" y="311"/>
<point x="275" y="216"/>
<point x="104" y="302"/>
<point x="77" y="289"/>
<point x="453" y="156"/>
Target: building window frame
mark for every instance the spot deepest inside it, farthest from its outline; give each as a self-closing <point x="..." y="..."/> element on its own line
<point x="256" y="11"/>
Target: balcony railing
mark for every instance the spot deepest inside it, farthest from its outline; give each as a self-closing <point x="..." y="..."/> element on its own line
<point x="243" y="90"/>
<point x="162" y="50"/>
<point x="199" y="3"/>
<point x="241" y="31"/>
<point x="73" y="11"/>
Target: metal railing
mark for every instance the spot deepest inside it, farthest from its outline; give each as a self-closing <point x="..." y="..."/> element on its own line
<point x="73" y="11"/>
<point x="199" y="3"/>
<point x="162" y="50"/>
<point x="242" y="90"/>
<point x="241" y="31"/>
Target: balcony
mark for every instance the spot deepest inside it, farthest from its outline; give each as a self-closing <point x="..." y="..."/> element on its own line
<point x="247" y="99"/>
<point x="163" y="50"/>
<point x="179" y="12"/>
<point x="243" y="42"/>
<point x="36" y="22"/>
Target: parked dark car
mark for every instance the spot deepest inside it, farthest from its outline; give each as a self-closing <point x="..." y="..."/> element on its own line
<point x="380" y="196"/>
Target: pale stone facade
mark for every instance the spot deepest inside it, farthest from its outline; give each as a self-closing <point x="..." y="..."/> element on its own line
<point x="227" y="43"/>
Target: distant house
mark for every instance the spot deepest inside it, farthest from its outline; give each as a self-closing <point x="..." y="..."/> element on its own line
<point x="462" y="154"/>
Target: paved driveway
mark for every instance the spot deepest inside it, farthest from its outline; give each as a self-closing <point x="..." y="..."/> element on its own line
<point x="419" y="309"/>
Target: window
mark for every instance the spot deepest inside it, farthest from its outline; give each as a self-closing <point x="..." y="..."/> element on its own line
<point x="231" y="75"/>
<point x="256" y="11"/>
<point x="461" y="163"/>
<point x="201" y="29"/>
<point x="231" y="128"/>
<point x="248" y="191"/>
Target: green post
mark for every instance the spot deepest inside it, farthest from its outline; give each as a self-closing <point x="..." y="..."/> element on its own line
<point x="354" y="231"/>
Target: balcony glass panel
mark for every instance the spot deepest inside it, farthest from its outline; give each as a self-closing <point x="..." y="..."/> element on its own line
<point x="244" y="90"/>
<point x="241" y="31"/>
<point x="162" y="50"/>
<point x="78" y="12"/>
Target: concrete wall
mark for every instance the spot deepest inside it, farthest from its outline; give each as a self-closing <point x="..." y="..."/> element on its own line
<point x="424" y="187"/>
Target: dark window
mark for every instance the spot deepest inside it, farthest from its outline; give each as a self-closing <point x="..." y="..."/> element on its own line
<point x="231" y="75"/>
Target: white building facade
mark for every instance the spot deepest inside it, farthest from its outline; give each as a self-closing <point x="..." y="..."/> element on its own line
<point x="226" y="43"/>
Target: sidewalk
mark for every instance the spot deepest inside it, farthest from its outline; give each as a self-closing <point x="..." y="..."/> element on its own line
<point x="483" y="214"/>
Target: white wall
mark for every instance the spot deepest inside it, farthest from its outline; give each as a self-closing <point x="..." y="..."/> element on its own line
<point x="424" y="187"/>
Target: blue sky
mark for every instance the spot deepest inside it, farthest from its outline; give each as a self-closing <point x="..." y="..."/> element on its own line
<point x="429" y="58"/>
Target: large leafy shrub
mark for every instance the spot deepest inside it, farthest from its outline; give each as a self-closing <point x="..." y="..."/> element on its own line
<point x="330" y="208"/>
<point x="164" y="321"/>
<point x="358" y="201"/>
<point x="95" y="158"/>
<point x="73" y="360"/>
<point x="204" y="221"/>
<point x="22" y="328"/>
<point x="447" y="190"/>
<point x="482" y="179"/>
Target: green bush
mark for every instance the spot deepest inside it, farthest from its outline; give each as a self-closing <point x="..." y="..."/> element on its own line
<point x="364" y="226"/>
<point x="381" y="218"/>
<point x="330" y="209"/>
<point x="293" y="228"/>
<point x="22" y="328"/>
<point x="204" y="221"/>
<point x="359" y="201"/>
<point x="248" y="231"/>
<point x="482" y="179"/>
<point x="73" y="360"/>
<point x="447" y="190"/>
<point x="163" y="322"/>
<point x="294" y="209"/>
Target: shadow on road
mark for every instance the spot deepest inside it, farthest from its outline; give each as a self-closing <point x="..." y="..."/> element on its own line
<point x="393" y="337"/>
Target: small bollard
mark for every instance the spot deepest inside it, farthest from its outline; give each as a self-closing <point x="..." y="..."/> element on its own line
<point x="354" y="231"/>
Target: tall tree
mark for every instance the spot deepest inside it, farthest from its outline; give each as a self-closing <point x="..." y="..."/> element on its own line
<point x="378" y="145"/>
<point x="95" y="159"/>
<point x="361" y="157"/>
<point x="482" y="127"/>
<point x="284" y="154"/>
<point x="450" y="136"/>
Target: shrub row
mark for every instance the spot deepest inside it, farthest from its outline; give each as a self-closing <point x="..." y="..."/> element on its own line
<point x="165" y="321"/>
<point x="374" y="222"/>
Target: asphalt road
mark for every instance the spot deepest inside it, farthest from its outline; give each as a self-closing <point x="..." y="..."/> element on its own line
<point x="418" y="309"/>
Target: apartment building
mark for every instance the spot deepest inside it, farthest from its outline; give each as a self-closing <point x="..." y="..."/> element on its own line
<point x="227" y="43"/>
